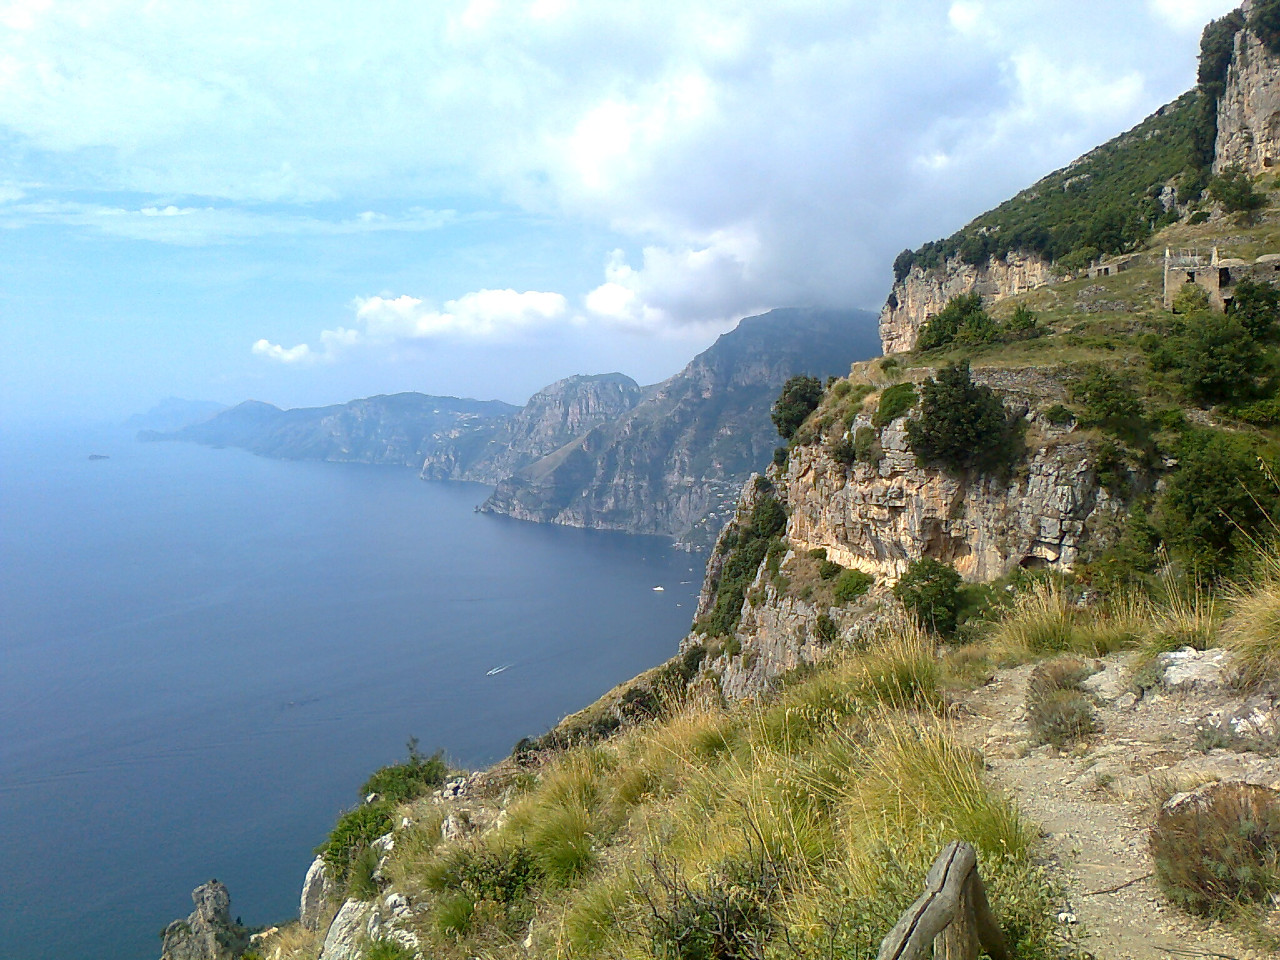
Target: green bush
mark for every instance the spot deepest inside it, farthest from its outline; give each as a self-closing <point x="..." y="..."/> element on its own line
<point x="780" y="455"/>
<point x="1216" y="854"/>
<point x="866" y="446"/>
<point x="1256" y="305"/>
<point x="964" y="426"/>
<point x="748" y="544"/>
<point x="844" y="452"/>
<point x="1216" y="503"/>
<point x="354" y="832"/>
<point x="387" y="950"/>
<point x="1264" y="21"/>
<point x="894" y="402"/>
<point x="360" y="882"/>
<point x="1109" y="404"/>
<point x="1233" y="188"/>
<point x="1216" y="359"/>
<point x="850" y="585"/>
<point x="800" y="396"/>
<point x="829" y="569"/>
<point x="726" y="918"/>
<point x="930" y="589"/>
<point x="1058" y="709"/>
<point x="963" y="319"/>
<point x="1059" y="415"/>
<point x="825" y="630"/>
<point x="1190" y="298"/>
<point x="1199" y="217"/>
<point x="401" y="782"/>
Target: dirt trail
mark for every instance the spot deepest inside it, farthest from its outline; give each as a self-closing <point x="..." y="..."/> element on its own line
<point x="1095" y="806"/>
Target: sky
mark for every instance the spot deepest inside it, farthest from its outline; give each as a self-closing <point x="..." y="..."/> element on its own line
<point x="304" y="203"/>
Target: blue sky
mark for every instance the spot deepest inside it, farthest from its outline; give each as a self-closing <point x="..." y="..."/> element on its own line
<point x="308" y="202"/>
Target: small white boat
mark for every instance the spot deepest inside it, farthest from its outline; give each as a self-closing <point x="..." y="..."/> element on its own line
<point x="659" y="589"/>
<point x="496" y="670"/>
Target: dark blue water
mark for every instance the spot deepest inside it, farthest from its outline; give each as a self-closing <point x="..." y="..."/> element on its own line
<point x="204" y="653"/>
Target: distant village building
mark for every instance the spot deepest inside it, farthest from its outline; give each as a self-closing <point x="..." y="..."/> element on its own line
<point x="1217" y="275"/>
<point x="1107" y="268"/>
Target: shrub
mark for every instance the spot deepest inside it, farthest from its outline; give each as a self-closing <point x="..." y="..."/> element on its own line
<point x="1058" y="709"/>
<point x="1256" y="305"/>
<point x="727" y="919"/>
<point x="843" y="451"/>
<point x="866" y="446"/>
<point x="355" y="831"/>
<point x="850" y="585"/>
<point x="387" y="950"/>
<point x="1219" y="849"/>
<point x="894" y="402"/>
<point x="962" y="315"/>
<point x="360" y="882"/>
<point x="400" y="782"/>
<point x="800" y="396"/>
<point x="1109" y="404"/>
<point x="964" y="426"/>
<point x="1233" y="188"/>
<point x="1062" y="717"/>
<point x="1218" y="499"/>
<point x="1192" y="298"/>
<point x="780" y="455"/>
<point x="1264" y="21"/>
<point x="1059" y="415"/>
<point x="825" y="630"/>
<point x="750" y="544"/>
<point x="1199" y="217"/>
<point x="930" y="590"/>
<point x="829" y="569"/>
<point x="1216" y="360"/>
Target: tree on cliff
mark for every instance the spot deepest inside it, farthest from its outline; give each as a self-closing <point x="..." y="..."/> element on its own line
<point x="963" y="425"/>
<point x="800" y="397"/>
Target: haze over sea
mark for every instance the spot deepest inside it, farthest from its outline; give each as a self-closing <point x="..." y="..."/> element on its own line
<point x="204" y="653"/>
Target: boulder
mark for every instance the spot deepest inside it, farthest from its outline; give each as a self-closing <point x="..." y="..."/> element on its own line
<point x="1190" y="669"/>
<point x="348" y="932"/>
<point x="1109" y="684"/>
<point x="318" y="890"/>
<point x="209" y="932"/>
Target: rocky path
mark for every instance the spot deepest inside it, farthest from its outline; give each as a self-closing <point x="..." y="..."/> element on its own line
<point x="1096" y="804"/>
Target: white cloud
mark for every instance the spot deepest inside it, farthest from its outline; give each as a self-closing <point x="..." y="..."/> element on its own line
<point x="273" y="351"/>
<point x="387" y="321"/>
<point x="755" y="154"/>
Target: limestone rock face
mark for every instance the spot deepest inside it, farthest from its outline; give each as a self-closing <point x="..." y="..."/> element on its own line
<point x="318" y="890"/>
<point x="1191" y="669"/>
<point x="1249" y="111"/>
<point x="922" y="293"/>
<point x="881" y="519"/>
<point x="209" y="932"/>
<point x="554" y="416"/>
<point x="348" y="932"/>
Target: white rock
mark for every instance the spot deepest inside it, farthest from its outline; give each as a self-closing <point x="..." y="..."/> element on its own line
<point x="453" y="826"/>
<point x="1109" y="684"/>
<point x="317" y="890"/>
<point x="345" y="939"/>
<point x="1190" y="669"/>
<point x="385" y="843"/>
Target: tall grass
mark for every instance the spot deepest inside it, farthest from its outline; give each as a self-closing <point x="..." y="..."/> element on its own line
<point x="1252" y="631"/>
<point x="1046" y="619"/>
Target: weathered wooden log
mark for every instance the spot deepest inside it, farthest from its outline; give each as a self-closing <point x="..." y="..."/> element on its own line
<point x="952" y="919"/>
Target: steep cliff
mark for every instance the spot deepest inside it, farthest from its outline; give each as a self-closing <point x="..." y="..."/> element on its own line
<point x="1248" y="132"/>
<point x="398" y="429"/>
<point x="553" y="417"/>
<point x="879" y="514"/>
<point x="923" y="292"/>
<point x="678" y="458"/>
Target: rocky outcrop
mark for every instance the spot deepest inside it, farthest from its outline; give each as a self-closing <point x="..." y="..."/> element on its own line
<point x="208" y="933"/>
<point x="399" y="429"/>
<point x="1249" y="110"/>
<point x="922" y="293"/>
<point x="679" y="457"/>
<point x="318" y="891"/>
<point x="553" y="417"/>
<point x="348" y="932"/>
<point x="881" y="517"/>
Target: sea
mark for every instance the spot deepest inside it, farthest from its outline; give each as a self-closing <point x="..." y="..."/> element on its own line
<point x="204" y="653"/>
